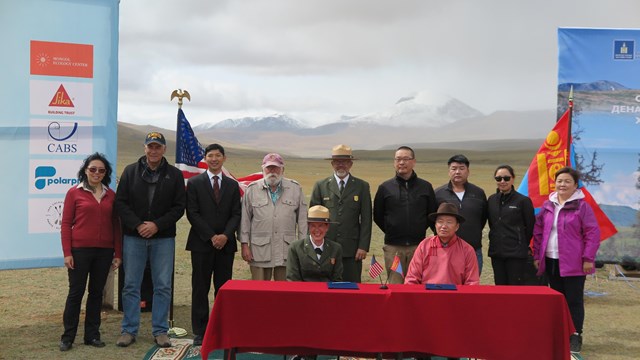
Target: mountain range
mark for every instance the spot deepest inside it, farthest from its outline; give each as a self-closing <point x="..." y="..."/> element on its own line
<point x="421" y="118"/>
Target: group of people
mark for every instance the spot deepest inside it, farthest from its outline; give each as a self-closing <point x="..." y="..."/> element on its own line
<point x="283" y="238"/>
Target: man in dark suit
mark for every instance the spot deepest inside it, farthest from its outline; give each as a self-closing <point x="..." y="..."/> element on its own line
<point x="349" y="201"/>
<point x="213" y="209"/>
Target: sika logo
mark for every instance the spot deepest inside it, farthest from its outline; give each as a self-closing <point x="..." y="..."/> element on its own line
<point x="61" y="98"/>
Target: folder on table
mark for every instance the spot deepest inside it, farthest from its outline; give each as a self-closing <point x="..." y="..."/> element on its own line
<point x="342" y="285"/>
<point x="441" y="287"/>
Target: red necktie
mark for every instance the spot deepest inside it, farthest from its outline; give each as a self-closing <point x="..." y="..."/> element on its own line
<point x="216" y="188"/>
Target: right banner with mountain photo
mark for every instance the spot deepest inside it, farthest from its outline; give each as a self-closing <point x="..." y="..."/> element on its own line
<point x="603" y="68"/>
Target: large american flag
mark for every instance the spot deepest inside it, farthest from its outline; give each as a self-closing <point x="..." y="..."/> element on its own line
<point x="190" y="155"/>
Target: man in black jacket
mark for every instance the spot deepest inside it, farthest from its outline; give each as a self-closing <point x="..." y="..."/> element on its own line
<point x="150" y="199"/>
<point x="213" y="209"/>
<point x="471" y="201"/>
<point x="400" y="209"/>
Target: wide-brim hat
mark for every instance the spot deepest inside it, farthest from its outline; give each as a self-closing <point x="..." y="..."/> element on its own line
<point x="447" y="209"/>
<point x="341" y="152"/>
<point x="319" y="214"/>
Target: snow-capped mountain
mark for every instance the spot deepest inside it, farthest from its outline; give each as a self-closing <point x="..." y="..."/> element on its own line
<point x="277" y="122"/>
<point x="422" y="109"/>
<point x="601" y="85"/>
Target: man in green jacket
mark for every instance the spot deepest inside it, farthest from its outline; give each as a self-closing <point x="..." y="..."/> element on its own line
<point x="315" y="258"/>
<point x="349" y="201"/>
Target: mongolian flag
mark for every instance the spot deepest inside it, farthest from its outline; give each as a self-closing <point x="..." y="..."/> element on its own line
<point x="539" y="181"/>
<point x="554" y="154"/>
<point x="397" y="265"/>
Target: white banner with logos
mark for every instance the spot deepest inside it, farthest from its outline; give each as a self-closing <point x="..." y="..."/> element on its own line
<point x="59" y="99"/>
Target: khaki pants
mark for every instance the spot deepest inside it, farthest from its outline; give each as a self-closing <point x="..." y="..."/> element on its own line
<point x="260" y="273"/>
<point x="405" y="253"/>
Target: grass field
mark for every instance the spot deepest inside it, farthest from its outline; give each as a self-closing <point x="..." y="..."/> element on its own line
<point x="32" y="301"/>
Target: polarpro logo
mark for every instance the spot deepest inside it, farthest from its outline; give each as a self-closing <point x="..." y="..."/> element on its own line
<point x="45" y="176"/>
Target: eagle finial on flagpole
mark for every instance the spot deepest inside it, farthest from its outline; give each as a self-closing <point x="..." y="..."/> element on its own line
<point x="180" y="94"/>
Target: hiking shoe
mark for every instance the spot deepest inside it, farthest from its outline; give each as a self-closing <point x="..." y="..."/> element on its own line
<point x="163" y="341"/>
<point x="197" y="340"/>
<point x="575" y="343"/>
<point x="65" y="345"/>
<point x="125" y="340"/>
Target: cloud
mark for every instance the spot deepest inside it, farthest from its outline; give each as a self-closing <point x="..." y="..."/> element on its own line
<point x="620" y="190"/>
<point x="349" y="57"/>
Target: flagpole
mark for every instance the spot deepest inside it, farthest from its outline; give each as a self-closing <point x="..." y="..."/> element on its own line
<point x="383" y="286"/>
<point x="567" y="160"/>
<point x="179" y="93"/>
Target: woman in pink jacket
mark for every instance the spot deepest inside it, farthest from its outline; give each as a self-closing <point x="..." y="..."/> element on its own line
<point x="566" y="239"/>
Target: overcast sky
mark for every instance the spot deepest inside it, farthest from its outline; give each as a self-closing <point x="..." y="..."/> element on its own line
<point x="319" y="60"/>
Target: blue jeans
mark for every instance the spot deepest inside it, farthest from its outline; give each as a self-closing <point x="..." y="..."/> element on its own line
<point x="479" y="256"/>
<point x="135" y="252"/>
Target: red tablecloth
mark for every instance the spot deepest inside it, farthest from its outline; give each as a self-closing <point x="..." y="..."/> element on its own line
<point x="488" y="322"/>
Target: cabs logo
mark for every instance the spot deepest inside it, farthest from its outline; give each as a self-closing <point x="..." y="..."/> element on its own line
<point x="623" y="49"/>
<point x="61" y="98"/>
<point x="60" y="135"/>
<point x="45" y="176"/>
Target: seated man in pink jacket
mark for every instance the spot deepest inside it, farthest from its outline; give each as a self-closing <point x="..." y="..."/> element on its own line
<point x="444" y="258"/>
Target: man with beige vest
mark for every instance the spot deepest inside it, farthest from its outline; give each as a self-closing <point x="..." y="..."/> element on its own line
<point x="274" y="214"/>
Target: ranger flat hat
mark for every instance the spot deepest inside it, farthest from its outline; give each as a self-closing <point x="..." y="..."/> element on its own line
<point x="319" y="214"/>
<point x="446" y="209"/>
<point x="341" y="152"/>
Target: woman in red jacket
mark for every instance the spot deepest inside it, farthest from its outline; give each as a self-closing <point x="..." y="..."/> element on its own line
<point x="91" y="243"/>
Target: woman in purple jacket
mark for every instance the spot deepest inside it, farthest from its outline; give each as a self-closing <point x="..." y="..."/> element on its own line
<point x="566" y="239"/>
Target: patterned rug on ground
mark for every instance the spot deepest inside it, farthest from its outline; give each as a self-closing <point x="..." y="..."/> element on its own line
<point x="183" y="349"/>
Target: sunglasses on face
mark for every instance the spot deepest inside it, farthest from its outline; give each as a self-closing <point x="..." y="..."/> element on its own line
<point x="500" y="178"/>
<point x="99" y="170"/>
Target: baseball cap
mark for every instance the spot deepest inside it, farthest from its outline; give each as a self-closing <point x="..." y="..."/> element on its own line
<point x="272" y="159"/>
<point x="155" y="137"/>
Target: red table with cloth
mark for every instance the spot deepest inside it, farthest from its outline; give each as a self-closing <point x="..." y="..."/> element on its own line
<point x="488" y="322"/>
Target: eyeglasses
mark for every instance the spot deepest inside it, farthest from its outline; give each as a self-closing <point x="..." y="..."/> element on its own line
<point x="500" y="178"/>
<point x="99" y="170"/>
<point x="403" y="159"/>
